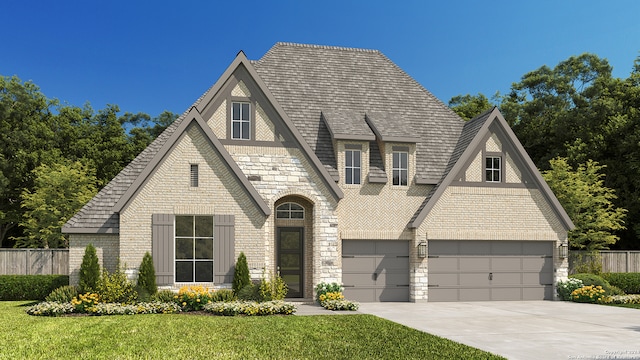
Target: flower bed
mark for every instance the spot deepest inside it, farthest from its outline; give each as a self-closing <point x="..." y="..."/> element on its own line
<point x="53" y="308"/>
<point x="250" y="308"/>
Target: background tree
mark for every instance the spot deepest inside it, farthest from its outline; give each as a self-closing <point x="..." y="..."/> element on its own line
<point x="470" y="106"/>
<point x="587" y="202"/>
<point x="59" y="191"/>
<point x="89" y="271"/>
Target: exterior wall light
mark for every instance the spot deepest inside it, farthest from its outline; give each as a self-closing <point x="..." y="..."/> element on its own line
<point x="563" y="250"/>
<point x="422" y="250"/>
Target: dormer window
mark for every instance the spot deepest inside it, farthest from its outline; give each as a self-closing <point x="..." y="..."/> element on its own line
<point x="493" y="169"/>
<point x="240" y="120"/>
<point x="352" y="164"/>
<point x="400" y="168"/>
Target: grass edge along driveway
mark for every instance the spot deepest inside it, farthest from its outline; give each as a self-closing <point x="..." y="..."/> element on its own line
<point x="181" y="336"/>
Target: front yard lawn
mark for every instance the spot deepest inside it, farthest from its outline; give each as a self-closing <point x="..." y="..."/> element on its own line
<point x="181" y="336"/>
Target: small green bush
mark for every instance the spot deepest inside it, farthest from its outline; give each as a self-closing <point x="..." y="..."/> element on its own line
<point x="627" y="282"/>
<point x="165" y="296"/>
<point x="62" y="294"/>
<point x="565" y="288"/>
<point x="116" y="288"/>
<point x="89" y="270"/>
<point x="273" y="289"/>
<point x="241" y="274"/>
<point x="223" y="295"/>
<point x="250" y="292"/>
<point x="30" y="287"/>
<point x="147" y="276"/>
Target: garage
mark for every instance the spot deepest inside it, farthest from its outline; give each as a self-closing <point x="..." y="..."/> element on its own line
<point x="375" y="270"/>
<point x="490" y="270"/>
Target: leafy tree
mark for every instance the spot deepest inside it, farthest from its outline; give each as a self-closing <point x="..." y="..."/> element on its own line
<point x="588" y="203"/>
<point x="59" y="191"/>
<point x="147" y="275"/>
<point x="89" y="270"/>
<point x="241" y="274"/>
<point x="469" y="106"/>
<point x="27" y="141"/>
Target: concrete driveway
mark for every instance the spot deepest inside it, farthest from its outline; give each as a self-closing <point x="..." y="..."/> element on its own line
<point x="525" y="329"/>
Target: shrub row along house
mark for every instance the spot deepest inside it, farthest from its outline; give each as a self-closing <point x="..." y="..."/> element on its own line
<point x="331" y="164"/>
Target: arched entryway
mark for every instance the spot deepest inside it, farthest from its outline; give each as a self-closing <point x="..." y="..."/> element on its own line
<point x="294" y="244"/>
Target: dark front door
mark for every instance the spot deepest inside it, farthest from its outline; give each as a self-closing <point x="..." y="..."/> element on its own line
<point x="289" y="253"/>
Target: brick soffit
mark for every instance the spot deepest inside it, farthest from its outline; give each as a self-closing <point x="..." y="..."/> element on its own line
<point x="494" y="116"/>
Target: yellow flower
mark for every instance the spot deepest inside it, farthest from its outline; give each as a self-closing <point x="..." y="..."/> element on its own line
<point x="184" y="303"/>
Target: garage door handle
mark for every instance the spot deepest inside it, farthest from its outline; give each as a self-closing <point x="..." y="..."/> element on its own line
<point x="490" y="276"/>
<point x="375" y="276"/>
<point x="347" y="256"/>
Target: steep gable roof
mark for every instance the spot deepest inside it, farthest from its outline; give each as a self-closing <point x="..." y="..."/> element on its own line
<point x="308" y="80"/>
<point x="472" y="134"/>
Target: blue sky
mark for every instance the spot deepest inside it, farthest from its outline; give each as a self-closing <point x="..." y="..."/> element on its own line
<point x="150" y="56"/>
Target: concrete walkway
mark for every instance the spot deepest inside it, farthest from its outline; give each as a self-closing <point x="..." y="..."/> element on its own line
<point x="525" y="329"/>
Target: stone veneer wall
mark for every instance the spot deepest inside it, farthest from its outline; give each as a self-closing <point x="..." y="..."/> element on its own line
<point x="107" y="250"/>
<point x="168" y="191"/>
<point x="286" y="171"/>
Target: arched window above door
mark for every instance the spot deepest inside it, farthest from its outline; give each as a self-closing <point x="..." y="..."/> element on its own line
<point x="290" y="210"/>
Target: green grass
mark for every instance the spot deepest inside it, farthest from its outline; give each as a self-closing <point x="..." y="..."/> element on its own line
<point x="631" y="306"/>
<point x="180" y="336"/>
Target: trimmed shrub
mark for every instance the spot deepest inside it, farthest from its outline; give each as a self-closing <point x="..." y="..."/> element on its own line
<point x="165" y="296"/>
<point x="241" y="274"/>
<point x="116" y="288"/>
<point x="89" y="270"/>
<point x="250" y="292"/>
<point x="627" y="282"/>
<point x="223" y="295"/>
<point x="147" y="275"/>
<point x="30" y="287"/>
<point x="63" y="294"/>
<point x="595" y="280"/>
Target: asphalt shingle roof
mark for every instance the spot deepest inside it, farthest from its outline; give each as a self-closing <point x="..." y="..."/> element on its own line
<point x="308" y="80"/>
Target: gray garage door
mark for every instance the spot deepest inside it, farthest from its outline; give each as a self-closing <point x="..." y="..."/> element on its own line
<point x="375" y="270"/>
<point x="490" y="270"/>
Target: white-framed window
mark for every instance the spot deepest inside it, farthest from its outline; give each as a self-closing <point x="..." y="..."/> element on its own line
<point x="352" y="166"/>
<point x="240" y="120"/>
<point x="193" y="248"/>
<point x="493" y="169"/>
<point x="290" y="210"/>
<point x="400" y="168"/>
<point x="193" y="175"/>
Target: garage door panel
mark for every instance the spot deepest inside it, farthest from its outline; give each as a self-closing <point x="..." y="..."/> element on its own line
<point x="441" y="279"/>
<point x="490" y="270"/>
<point x="360" y="279"/>
<point x="475" y="264"/>
<point x="503" y="278"/>
<point x="506" y="294"/>
<point x="392" y="263"/>
<point x="443" y="264"/>
<point x="474" y="279"/>
<point x="472" y="294"/>
<point x="358" y="264"/>
<point x="393" y="293"/>
<point x="358" y="247"/>
<point x="375" y="270"/>
<point x="506" y="263"/>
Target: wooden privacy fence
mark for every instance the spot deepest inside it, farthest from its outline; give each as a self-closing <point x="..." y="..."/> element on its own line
<point x="34" y="261"/>
<point x="611" y="260"/>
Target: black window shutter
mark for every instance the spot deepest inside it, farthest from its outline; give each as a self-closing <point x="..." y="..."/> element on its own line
<point x="224" y="248"/>
<point x="162" y="248"/>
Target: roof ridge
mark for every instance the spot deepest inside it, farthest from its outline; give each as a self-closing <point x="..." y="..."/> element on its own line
<point x="326" y="47"/>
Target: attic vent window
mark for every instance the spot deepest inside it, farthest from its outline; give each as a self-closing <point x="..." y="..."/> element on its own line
<point x="240" y="120"/>
<point x="493" y="168"/>
<point x="290" y="211"/>
<point x="194" y="175"/>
